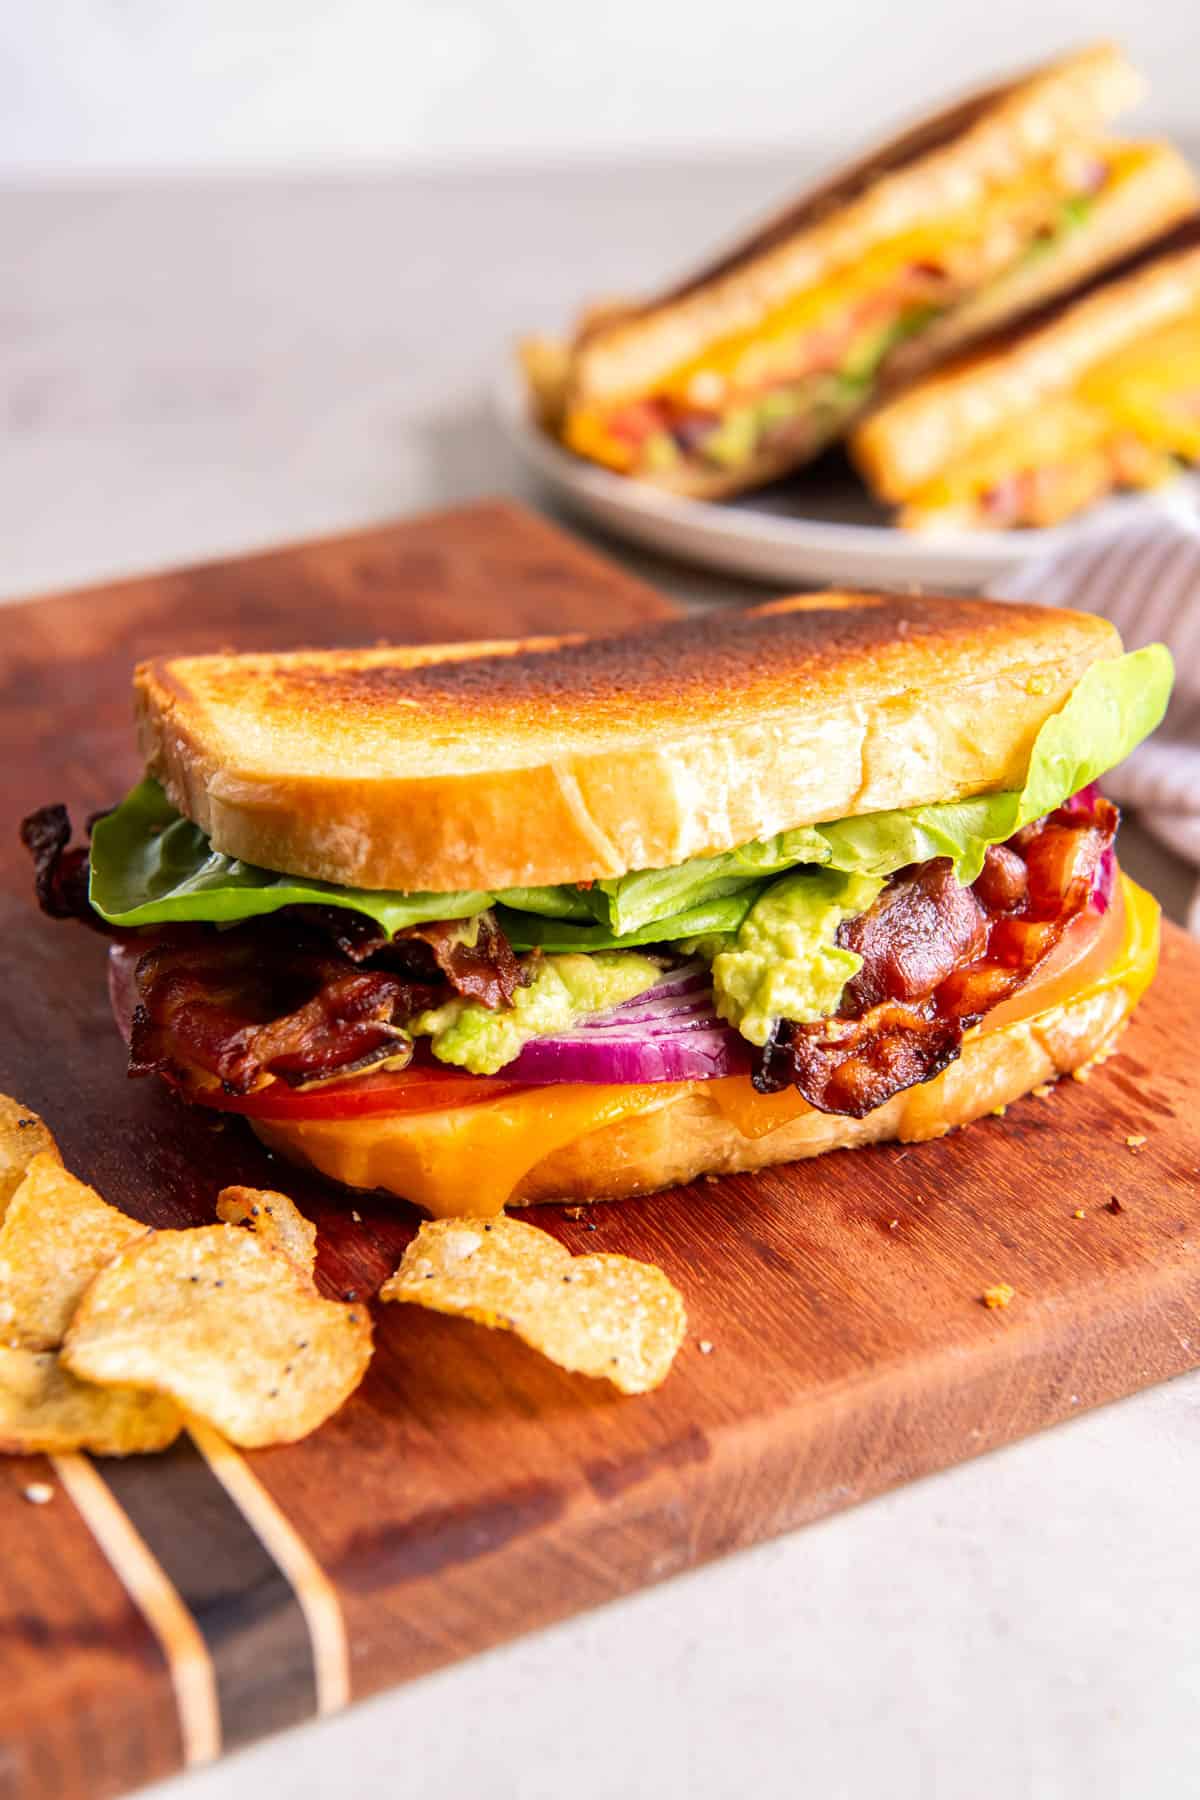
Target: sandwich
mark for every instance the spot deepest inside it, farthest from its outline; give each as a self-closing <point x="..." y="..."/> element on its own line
<point x="752" y="365"/>
<point x="1096" y="393"/>
<point x="579" y="918"/>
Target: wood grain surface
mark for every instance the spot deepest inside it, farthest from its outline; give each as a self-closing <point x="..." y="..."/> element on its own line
<point x="470" y="1492"/>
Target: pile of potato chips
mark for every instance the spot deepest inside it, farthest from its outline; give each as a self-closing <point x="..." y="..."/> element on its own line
<point x="112" y="1335"/>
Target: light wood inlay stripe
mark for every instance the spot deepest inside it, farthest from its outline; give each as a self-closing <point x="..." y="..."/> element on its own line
<point x="313" y="1589"/>
<point x="192" y="1674"/>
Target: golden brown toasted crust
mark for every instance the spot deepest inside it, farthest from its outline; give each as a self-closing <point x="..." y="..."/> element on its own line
<point x="505" y="765"/>
<point x="1130" y="213"/>
<point x="910" y="439"/>
<point x="941" y="164"/>
<point x="689" y="1136"/>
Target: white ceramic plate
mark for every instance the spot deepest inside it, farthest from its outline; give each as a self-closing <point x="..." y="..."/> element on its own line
<point x="818" y="526"/>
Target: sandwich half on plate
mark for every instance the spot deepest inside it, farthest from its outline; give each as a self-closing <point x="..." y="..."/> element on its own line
<point x="587" y="917"/>
<point x="1094" y="394"/>
<point x="969" y="218"/>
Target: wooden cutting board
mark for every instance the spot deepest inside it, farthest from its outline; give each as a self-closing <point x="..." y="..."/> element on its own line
<point x="161" y="1609"/>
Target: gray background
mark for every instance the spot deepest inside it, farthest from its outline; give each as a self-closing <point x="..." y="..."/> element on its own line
<point x="98" y="84"/>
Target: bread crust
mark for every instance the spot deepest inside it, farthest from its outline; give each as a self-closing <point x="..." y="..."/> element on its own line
<point x="981" y="141"/>
<point x="504" y="765"/>
<point x="688" y="1135"/>
<point x="910" y="439"/>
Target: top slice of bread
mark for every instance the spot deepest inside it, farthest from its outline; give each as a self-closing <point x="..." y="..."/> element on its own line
<point x="908" y="440"/>
<point x="943" y="164"/>
<point x="477" y="766"/>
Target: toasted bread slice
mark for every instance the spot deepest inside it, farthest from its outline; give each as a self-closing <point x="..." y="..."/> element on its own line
<point x="911" y="438"/>
<point x="477" y="766"/>
<point x="937" y="166"/>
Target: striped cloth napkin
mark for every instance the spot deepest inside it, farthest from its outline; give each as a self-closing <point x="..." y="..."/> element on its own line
<point x="1146" y="579"/>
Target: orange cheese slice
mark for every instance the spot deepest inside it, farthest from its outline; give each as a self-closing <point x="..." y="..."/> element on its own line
<point x="466" y="1161"/>
<point x="470" y="1160"/>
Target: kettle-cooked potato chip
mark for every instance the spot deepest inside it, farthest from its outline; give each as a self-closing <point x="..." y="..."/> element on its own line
<point x="43" y="1407"/>
<point x="22" y="1137"/>
<point x="273" y="1218"/>
<point x="595" y="1315"/>
<point x="226" y="1325"/>
<point x="56" y="1234"/>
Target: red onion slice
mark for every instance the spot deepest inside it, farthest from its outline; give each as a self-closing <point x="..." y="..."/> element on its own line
<point x="669" y="1033"/>
<point x="642" y="1056"/>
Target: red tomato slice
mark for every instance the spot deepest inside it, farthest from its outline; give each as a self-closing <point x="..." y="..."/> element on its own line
<point x="404" y="1090"/>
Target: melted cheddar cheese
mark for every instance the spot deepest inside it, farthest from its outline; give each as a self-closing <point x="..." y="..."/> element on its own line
<point x="471" y="1160"/>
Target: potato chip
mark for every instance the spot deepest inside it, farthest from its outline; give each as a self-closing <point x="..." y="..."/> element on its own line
<point x="44" y="1407"/>
<point x="595" y="1315"/>
<point x="57" y="1233"/>
<point x="226" y="1325"/>
<point x="22" y="1137"/>
<point x="273" y="1218"/>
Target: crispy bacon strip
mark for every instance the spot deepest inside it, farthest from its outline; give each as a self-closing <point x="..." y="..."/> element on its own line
<point x="275" y="998"/>
<point x="851" y="1066"/>
<point x="60" y="872"/>
<point x="486" y="970"/>
<point x="936" y="958"/>
<point x="237" y="1007"/>
<point x="922" y="926"/>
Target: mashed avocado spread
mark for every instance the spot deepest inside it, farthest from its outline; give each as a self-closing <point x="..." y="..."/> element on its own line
<point x="784" y="962"/>
<point x="564" y="989"/>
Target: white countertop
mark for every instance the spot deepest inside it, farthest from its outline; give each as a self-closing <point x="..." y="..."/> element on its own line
<point x="188" y="370"/>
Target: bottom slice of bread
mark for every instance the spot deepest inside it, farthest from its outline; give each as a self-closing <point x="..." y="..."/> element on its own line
<point x="690" y="1137"/>
<point x="552" y="1144"/>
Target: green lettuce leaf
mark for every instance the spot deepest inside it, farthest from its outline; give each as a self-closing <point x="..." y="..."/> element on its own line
<point x="724" y="914"/>
<point x="1114" y="707"/>
<point x="570" y="903"/>
<point x="150" y="866"/>
<point x="652" y="896"/>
